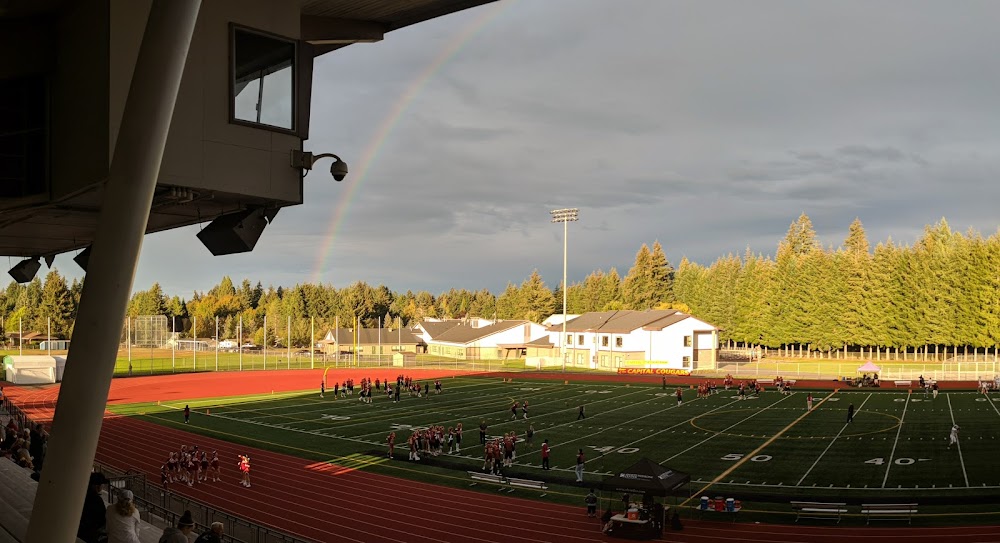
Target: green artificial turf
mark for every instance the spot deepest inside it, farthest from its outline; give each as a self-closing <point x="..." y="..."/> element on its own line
<point x="765" y="451"/>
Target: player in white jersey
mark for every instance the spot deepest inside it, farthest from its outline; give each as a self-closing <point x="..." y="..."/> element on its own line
<point x="953" y="438"/>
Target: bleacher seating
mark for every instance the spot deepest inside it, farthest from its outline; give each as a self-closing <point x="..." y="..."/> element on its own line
<point x="17" y="496"/>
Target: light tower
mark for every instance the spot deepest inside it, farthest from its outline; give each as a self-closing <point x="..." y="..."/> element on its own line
<point x="564" y="216"/>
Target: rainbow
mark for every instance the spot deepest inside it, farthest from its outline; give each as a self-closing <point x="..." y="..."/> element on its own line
<point x="389" y="122"/>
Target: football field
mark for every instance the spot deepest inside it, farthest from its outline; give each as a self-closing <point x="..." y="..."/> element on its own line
<point x="767" y="448"/>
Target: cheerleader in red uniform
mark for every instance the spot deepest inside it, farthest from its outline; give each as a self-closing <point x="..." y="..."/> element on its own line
<point x="244" y="465"/>
<point x="213" y="466"/>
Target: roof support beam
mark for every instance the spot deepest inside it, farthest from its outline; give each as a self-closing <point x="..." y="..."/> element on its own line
<point x="336" y="31"/>
<point x="111" y="269"/>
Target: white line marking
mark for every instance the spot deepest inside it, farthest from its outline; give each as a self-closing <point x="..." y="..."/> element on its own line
<point x="959" y="443"/>
<point x="888" y="465"/>
<point x="713" y="436"/>
<point x="808" y="471"/>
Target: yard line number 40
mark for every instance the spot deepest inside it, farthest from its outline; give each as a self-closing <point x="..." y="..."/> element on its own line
<point x="898" y="461"/>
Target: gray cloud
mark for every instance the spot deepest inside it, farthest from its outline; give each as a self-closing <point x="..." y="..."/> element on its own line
<point x="706" y="125"/>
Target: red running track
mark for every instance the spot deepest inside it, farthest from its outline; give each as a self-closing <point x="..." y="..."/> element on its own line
<point x="350" y="505"/>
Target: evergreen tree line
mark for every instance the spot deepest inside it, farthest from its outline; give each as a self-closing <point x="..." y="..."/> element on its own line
<point x="943" y="290"/>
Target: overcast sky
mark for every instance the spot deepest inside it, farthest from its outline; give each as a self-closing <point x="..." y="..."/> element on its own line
<point x="708" y="126"/>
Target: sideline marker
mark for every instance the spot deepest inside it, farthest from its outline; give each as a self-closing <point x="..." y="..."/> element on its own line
<point x="208" y="411"/>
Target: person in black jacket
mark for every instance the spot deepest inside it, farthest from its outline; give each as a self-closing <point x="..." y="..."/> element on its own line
<point x="36" y="445"/>
<point x="214" y="535"/>
<point x="92" y="518"/>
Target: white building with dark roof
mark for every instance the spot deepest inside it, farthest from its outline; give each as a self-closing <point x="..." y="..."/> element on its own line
<point x="615" y="339"/>
<point x="480" y="339"/>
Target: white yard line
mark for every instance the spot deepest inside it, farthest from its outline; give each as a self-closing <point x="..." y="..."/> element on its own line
<point x="830" y="445"/>
<point x="861" y="488"/>
<point x="310" y="432"/>
<point x="724" y="430"/>
<point x="609" y="428"/>
<point x="892" y="454"/>
<point x="990" y="400"/>
<point x="959" y="444"/>
<point x="493" y="414"/>
<point x="681" y="423"/>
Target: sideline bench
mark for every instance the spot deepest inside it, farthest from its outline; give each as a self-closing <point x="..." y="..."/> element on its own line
<point x="888" y="511"/>
<point x="486" y="478"/>
<point x="902" y="383"/>
<point x="509" y="482"/>
<point x="527" y="483"/>
<point x="765" y="381"/>
<point x="819" y="511"/>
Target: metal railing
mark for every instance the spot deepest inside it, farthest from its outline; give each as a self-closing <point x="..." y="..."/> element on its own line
<point x="161" y="507"/>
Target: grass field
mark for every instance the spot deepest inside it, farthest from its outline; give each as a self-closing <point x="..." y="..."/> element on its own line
<point x="768" y="449"/>
<point x="163" y="361"/>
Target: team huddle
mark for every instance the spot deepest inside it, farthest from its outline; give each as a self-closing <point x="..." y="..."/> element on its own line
<point x="430" y="441"/>
<point x="190" y="466"/>
<point x="346" y="388"/>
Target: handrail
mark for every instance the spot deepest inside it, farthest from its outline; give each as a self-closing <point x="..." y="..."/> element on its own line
<point x="158" y="501"/>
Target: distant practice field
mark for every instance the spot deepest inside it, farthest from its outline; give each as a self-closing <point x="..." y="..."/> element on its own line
<point x="769" y="449"/>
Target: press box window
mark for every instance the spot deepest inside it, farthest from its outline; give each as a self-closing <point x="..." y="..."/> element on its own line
<point x="24" y="137"/>
<point x="263" y="79"/>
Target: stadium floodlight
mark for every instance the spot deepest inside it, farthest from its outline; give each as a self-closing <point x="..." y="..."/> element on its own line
<point x="564" y="216"/>
<point x="25" y="270"/>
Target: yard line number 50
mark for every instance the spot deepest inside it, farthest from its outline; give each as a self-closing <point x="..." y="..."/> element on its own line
<point x="758" y="458"/>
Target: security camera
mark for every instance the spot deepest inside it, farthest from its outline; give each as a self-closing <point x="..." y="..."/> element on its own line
<point x="304" y="161"/>
<point x="338" y="170"/>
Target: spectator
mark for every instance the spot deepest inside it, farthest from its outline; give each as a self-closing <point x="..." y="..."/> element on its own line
<point x="185" y="525"/>
<point x="36" y="445"/>
<point x="214" y="535"/>
<point x="92" y="518"/>
<point x="123" y="519"/>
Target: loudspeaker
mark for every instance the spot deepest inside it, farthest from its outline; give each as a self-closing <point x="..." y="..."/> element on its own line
<point x="25" y="270"/>
<point x="236" y="232"/>
<point x="82" y="258"/>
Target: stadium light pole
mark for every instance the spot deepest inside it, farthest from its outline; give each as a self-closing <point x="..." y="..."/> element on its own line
<point x="565" y="216"/>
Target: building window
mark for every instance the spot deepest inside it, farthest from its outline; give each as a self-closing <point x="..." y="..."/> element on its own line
<point x="263" y="79"/>
<point x="618" y="341"/>
<point x="687" y="341"/>
<point x="569" y="339"/>
<point x="579" y="339"/>
<point x="24" y="137"/>
<point x="686" y="362"/>
<point x="604" y="341"/>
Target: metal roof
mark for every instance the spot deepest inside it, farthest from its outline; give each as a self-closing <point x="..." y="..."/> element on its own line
<point x="622" y="321"/>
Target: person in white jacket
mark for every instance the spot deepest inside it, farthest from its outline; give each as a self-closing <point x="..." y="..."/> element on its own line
<point x="123" y="519"/>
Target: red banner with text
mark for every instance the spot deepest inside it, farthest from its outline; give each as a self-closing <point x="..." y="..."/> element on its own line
<point x="653" y="371"/>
